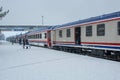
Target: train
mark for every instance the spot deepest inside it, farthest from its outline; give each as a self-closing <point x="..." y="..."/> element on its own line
<point x="95" y="36"/>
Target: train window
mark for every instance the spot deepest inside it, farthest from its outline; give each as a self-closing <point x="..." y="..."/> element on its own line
<point x="88" y="30"/>
<point x="118" y="28"/>
<point x="100" y="29"/>
<point x="33" y="36"/>
<point x="40" y="36"/>
<point x="60" y="33"/>
<point x="36" y="36"/>
<point x="30" y="36"/>
<point x="68" y="33"/>
<point x="45" y="35"/>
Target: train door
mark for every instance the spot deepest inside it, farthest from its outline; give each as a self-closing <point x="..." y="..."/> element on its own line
<point x="49" y="38"/>
<point x="78" y="35"/>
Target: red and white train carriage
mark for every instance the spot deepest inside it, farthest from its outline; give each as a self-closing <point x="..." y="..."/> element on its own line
<point x="39" y="37"/>
<point x="98" y="36"/>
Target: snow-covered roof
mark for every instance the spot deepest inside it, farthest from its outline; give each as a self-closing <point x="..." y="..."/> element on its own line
<point x="91" y="19"/>
<point x="40" y="30"/>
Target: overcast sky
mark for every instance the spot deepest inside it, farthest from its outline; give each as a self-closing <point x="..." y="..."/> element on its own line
<point x="29" y="12"/>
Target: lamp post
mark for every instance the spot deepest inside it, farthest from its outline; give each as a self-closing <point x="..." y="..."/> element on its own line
<point x="42" y="20"/>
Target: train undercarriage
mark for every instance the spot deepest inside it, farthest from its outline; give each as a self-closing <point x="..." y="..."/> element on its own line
<point x="104" y="54"/>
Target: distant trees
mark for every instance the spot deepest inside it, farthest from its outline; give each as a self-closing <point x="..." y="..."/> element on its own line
<point x="3" y="13"/>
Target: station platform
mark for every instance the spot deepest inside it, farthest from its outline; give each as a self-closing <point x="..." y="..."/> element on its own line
<point x="39" y="63"/>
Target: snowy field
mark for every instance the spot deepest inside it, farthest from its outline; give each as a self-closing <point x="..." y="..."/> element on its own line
<point x="45" y="64"/>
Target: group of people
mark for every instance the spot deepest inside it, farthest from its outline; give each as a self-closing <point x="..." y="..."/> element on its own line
<point x="25" y="43"/>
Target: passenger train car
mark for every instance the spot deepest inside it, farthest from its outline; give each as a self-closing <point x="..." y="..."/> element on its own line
<point x="97" y="36"/>
<point x="39" y="37"/>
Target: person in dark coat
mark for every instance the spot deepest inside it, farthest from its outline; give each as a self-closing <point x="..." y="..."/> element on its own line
<point x="24" y="42"/>
<point x="12" y="41"/>
<point x="20" y="40"/>
<point x="27" y="43"/>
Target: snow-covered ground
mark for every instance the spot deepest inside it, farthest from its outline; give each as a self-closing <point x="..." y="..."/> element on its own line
<point x="45" y="64"/>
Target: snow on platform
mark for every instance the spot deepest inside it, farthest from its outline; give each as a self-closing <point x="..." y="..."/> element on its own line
<point x="39" y="63"/>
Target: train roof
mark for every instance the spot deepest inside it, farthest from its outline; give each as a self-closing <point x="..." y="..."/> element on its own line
<point x="91" y="19"/>
<point x="40" y="30"/>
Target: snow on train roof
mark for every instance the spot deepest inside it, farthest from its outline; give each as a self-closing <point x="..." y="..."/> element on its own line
<point x="97" y="18"/>
<point x="91" y="19"/>
<point x="40" y="29"/>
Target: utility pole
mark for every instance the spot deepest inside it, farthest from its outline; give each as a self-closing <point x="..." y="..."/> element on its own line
<point x="42" y="20"/>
